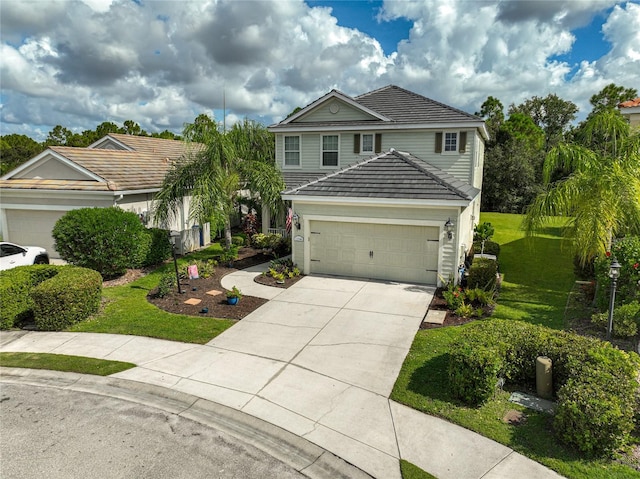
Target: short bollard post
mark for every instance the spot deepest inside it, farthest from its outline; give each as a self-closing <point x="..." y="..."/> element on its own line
<point x="544" y="377"/>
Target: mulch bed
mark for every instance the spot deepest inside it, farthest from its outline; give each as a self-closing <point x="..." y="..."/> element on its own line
<point x="216" y="306"/>
<point x="451" y="319"/>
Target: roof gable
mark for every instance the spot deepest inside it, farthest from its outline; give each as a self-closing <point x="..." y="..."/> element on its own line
<point x="391" y="175"/>
<point x="333" y="97"/>
<point x="141" y="163"/>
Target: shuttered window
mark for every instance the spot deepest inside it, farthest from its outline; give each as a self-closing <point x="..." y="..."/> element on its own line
<point x="450" y="142"/>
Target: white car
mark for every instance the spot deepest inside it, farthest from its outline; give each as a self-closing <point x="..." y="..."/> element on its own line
<point x="12" y="255"/>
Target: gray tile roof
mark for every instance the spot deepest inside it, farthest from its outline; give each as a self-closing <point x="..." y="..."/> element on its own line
<point x="400" y="106"/>
<point x="404" y="106"/>
<point x="293" y="179"/>
<point x="393" y="175"/>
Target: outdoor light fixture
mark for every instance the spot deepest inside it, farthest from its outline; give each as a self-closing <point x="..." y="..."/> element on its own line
<point x="173" y="239"/>
<point x="296" y="220"/>
<point x="448" y="227"/>
<point x="614" y="274"/>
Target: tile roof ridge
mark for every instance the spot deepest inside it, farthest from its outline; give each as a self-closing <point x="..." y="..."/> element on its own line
<point x="337" y="172"/>
<point x="409" y="159"/>
<point x="629" y="103"/>
<point x="418" y="95"/>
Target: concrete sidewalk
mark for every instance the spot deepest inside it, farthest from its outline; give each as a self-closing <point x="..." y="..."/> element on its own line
<point x="318" y="360"/>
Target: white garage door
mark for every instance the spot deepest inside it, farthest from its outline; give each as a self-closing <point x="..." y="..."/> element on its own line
<point x="379" y="251"/>
<point x="32" y="228"/>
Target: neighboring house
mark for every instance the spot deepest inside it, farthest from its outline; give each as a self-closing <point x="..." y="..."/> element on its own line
<point x="375" y="181"/>
<point x="631" y="111"/>
<point x="117" y="170"/>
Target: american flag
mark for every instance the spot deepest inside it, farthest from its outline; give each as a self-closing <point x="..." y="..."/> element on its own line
<point x="289" y="218"/>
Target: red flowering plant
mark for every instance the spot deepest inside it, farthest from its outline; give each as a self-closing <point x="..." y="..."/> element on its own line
<point x="627" y="252"/>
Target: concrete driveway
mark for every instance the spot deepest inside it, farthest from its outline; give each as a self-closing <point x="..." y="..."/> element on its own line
<point x="355" y="331"/>
<point x="319" y="360"/>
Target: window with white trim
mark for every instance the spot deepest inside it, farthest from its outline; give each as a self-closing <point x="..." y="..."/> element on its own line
<point x="291" y="151"/>
<point x="330" y="145"/>
<point x="367" y="143"/>
<point x="450" y="142"/>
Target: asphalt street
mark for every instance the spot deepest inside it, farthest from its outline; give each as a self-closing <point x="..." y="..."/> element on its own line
<point x="63" y="434"/>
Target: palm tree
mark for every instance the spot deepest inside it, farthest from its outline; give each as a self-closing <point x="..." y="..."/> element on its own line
<point x="219" y="166"/>
<point x="601" y="195"/>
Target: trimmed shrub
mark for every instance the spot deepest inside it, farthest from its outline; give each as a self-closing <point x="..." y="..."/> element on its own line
<point x="482" y="273"/>
<point x="69" y="297"/>
<point x="490" y="247"/>
<point x="238" y="240"/>
<point x="590" y="378"/>
<point x="16" y="304"/>
<point x="55" y="296"/>
<point x="108" y="240"/>
<point x="159" y="247"/>
<point x="166" y="284"/>
<point x="625" y="320"/>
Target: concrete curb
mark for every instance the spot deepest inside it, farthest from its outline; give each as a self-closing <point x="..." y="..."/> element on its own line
<point x="298" y="453"/>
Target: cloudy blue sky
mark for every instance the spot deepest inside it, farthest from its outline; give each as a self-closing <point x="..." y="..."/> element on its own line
<point x="161" y="63"/>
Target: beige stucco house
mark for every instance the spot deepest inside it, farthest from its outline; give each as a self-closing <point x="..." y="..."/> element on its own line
<point x="384" y="185"/>
<point x="631" y="111"/>
<point x="117" y="170"/>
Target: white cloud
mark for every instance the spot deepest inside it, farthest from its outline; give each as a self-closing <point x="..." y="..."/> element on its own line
<point x="81" y="62"/>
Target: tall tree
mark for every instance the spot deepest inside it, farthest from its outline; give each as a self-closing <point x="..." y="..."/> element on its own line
<point x="59" y="136"/>
<point x="16" y="149"/>
<point x="217" y="168"/>
<point x="601" y="195"/>
<point x="610" y="96"/>
<point x="492" y="111"/>
<point x="551" y="113"/>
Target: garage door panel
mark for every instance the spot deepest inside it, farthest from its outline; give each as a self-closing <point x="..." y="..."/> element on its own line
<point x="32" y="228"/>
<point x="381" y="251"/>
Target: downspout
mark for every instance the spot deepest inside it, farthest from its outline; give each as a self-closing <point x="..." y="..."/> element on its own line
<point x="115" y="200"/>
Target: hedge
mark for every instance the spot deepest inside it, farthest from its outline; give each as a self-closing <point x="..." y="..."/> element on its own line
<point x="16" y="304"/>
<point x="55" y="296"/>
<point x="594" y="382"/>
<point x="482" y="273"/>
<point x="490" y="247"/>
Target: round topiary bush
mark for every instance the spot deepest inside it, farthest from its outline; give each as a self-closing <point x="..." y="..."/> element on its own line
<point x="108" y="240"/>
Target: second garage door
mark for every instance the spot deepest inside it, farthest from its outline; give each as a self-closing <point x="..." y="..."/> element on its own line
<point x="32" y="228"/>
<point x="380" y="251"/>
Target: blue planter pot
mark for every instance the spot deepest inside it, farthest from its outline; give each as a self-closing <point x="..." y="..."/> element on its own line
<point x="232" y="301"/>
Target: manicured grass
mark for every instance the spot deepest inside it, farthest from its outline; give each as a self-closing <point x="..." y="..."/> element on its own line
<point x="410" y="471"/>
<point x="127" y="311"/>
<point x="538" y="271"/>
<point x="61" y="362"/>
<point x="538" y="277"/>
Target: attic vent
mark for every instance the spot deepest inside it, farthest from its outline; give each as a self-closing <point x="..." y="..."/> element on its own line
<point x="334" y="107"/>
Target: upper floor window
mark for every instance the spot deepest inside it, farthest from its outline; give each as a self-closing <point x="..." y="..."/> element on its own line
<point x="291" y="151"/>
<point x="451" y="142"/>
<point x="330" y="150"/>
<point x="367" y="143"/>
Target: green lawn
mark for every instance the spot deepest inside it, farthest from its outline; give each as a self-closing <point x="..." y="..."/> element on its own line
<point x="61" y="362"/>
<point x="127" y="311"/>
<point x="538" y="274"/>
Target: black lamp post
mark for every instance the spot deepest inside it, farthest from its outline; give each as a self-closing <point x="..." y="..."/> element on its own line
<point x="173" y="236"/>
<point x="614" y="274"/>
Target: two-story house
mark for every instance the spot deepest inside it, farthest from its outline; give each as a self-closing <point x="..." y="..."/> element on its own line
<point x="384" y="185"/>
